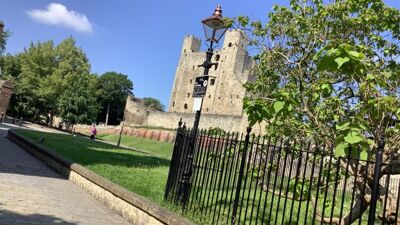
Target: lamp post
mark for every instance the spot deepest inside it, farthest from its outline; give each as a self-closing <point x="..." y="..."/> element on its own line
<point x="214" y="29"/>
<point x="122" y="128"/>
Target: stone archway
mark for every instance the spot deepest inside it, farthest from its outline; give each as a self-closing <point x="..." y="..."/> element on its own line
<point x="5" y="95"/>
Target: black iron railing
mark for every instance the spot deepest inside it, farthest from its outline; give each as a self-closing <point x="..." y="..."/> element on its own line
<point x="248" y="179"/>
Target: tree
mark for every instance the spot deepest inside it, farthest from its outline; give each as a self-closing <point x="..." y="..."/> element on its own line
<point x="78" y="104"/>
<point x="3" y="39"/>
<point x="10" y="67"/>
<point x="153" y="103"/>
<point x="36" y="84"/>
<point x="112" y="91"/>
<point x="11" y="70"/>
<point x="330" y="72"/>
<point x="47" y="73"/>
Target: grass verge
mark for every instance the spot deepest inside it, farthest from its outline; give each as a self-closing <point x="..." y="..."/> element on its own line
<point x="160" y="149"/>
<point x="140" y="173"/>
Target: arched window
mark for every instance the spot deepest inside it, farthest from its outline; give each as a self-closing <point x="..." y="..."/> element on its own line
<point x="217" y="57"/>
<point x="185" y="106"/>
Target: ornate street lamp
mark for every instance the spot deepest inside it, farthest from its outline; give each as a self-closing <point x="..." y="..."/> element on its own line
<point x="214" y="29"/>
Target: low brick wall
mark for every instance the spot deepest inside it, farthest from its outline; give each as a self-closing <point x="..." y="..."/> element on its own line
<point x="134" y="208"/>
<point x="153" y="134"/>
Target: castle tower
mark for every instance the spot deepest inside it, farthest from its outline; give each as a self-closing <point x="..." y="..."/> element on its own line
<point x="225" y="91"/>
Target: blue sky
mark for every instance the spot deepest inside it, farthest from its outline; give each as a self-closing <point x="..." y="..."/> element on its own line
<point x="139" y="38"/>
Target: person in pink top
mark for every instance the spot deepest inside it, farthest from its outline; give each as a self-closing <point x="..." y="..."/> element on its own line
<point x="93" y="132"/>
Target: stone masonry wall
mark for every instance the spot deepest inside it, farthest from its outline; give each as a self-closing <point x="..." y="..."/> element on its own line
<point x="5" y="95"/>
<point x="171" y="119"/>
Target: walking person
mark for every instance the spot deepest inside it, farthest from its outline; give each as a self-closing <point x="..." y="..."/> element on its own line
<point x="93" y="131"/>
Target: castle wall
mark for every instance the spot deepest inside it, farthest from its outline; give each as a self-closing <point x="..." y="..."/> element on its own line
<point x="135" y="112"/>
<point x="138" y="115"/>
<point x="171" y="119"/>
<point x="5" y="95"/>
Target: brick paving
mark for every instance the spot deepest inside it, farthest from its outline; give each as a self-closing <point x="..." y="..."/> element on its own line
<point x="31" y="193"/>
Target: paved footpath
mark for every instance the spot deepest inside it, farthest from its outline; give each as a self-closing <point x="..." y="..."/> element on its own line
<point x="31" y="193"/>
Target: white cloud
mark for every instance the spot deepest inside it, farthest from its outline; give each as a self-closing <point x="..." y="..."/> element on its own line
<point x="58" y="15"/>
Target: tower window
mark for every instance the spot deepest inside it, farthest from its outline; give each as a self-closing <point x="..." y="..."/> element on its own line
<point x="212" y="81"/>
<point x="188" y="95"/>
<point x="190" y="81"/>
<point x="185" y="106"/>
<point x="173" y="104"/>
<point x="230" y="44"/>
<point x="216" y="67"/>
<point x="193" y="67"/>
<point x="217" y="57"/>
<point x="209" y="96"/>
<point x="206" y="109"/>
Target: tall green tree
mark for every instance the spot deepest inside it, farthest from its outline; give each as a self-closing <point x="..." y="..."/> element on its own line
<point x="10" y="66"/>
<point x="3" y="39"/>
<point x="331" y="72"/>
<point x="47" y="74"/>
<point x="73" y="77"/>
<point x="36" y="82"/>
<point x="153" y="103"/>
<point x="78" y="103"/>
<point x="112" y="91"/>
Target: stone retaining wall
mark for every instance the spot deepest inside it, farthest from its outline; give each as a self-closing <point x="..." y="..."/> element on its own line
<point x="134" y="208"/>
<point x="153" y="134"/>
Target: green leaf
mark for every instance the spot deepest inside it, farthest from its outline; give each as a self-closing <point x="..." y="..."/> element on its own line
<point x="356" y="55"/>
<point x="342" y="126"/>
<point x="364" y="154"/>
<point x="243" y="20"/>
<point x="340" y="149"/>
<point x="370" y="77"/>
<point x="341" y="60"/>
<point x="353" y="138"/>
<point x="278" y="106"/>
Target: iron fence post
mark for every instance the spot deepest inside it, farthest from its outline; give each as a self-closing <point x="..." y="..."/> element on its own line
<point x="241" y="172"/>
<point x="173" y="160"/>
<point x="375" y="186"/>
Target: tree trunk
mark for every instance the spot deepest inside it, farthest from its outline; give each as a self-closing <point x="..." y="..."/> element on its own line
<point x="50" y="124"/>
<point x="108" y="111"/>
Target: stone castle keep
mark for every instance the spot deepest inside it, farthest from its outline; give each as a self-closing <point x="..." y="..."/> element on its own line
<point x="223" y="103"/>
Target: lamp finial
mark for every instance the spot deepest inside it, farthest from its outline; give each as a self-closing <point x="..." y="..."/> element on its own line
<point x="218" y="11"/>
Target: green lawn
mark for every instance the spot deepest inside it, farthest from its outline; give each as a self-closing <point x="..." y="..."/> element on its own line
<point x="143" y="174"/>
<point x="161" y="149"/>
